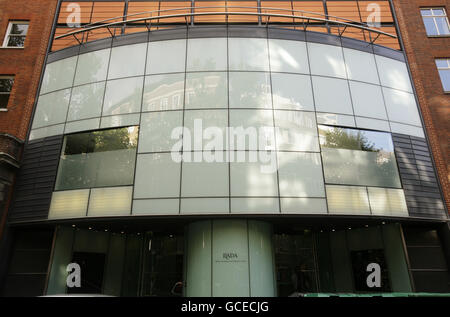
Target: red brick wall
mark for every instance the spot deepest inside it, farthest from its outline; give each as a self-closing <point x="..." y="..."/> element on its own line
<point x="25" y="63"/>
<point x="434" y="103"/>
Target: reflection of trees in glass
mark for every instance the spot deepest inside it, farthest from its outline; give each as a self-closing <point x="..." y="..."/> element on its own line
<point x="358" y="157"/>
<point x="344" y="139"/>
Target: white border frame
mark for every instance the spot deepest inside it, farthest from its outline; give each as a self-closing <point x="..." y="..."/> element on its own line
<point x="8" y="33"/>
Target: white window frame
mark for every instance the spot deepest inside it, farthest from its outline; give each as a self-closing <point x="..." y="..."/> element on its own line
<point x="8" y="33"/>
<point x="443" y="68"/>
<point x="7" y="93"/>
<point x="433" y="17"/>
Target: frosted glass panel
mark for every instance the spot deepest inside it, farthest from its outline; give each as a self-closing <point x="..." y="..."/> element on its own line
<point x="332" y="95"/>
<point x="361" y="66"/>
<point x="69" y="204"/>
<point x="127" y="61"/>
<point x="373" y="124"/>
<point x="262" y="271"/>
<point x="123" y="96"/>
<point x="292" y="92"/>
<point x="297" y="131"/>
<point x="206" y="90"/>
<point x="51" y="108"/>
<point x="47" y="131"/>
<point x="82" y="125"/>
<point x="335" y="119"/>
<point x="86" y="101"/>
<point x="157" y="175"/>
<point x="252" y="177"/>
<point x="204" y="179"/>
<point x="194" y="206"/>
<point x="252" y="130"/>
<point x="156" y="130"/>
<point x="393" y="73"/>
<point x="98" y="159"/>
<point x="326" y="60"/>
<point x="347" y="200"/>
<point x="207" y="54"/>
<point x="156" y="207"/>
<point x="401" y="107"/>
<point x="407" y="129"/>
<point x="163" y="92"/>
<point x="250" y="90"/>
<point x="358" y="157"/>
<point x="92" y="67"/>
<point x="300" y="174"/>
<point x="293" y="205"/>
<point x="198" y="259"/>
<point x="368" y="100"/>
<point x="255" y="205"/>
<point x="360" y="168"/>
<point x="59" y="75"/>
<point x="120" y="120"/>
<point x="166" y="57"/>
<point x="288" y="56"/>
<point x="114" y="201"/>
<point x="212" y="123"/>
<point x="386" y="201"/>
<point x="230" y="275"/>
<point x="248" y="54"/>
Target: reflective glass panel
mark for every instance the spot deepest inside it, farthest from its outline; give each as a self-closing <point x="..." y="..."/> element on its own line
<point x="358" y="157"/>
<point x="98" y="159"/>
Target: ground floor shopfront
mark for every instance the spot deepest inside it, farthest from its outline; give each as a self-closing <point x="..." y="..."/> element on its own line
<point x="230" y="257"/>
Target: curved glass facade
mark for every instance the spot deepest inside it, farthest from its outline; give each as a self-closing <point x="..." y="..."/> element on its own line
<point x="234" y="125"/>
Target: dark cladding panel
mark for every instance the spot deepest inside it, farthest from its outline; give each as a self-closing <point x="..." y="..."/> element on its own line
<point x="422" y="193"/>
<point x="36" y="180"/>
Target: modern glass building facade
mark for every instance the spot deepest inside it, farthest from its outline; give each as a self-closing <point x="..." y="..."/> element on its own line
<point x="230" y="156"/>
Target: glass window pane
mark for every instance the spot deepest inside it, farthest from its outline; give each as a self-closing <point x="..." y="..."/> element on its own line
<point x="361" y="66"/>
<point x="162" y="51"/>
<point x="393" y="73"/>
<point x="16" y="41"/>
<point x="442" y="25"/>
<point x="255" y="205"/>
<point x="58" y="75"/>
<point x="300" y="174"/>
<point x="19" y="29"/>
<point x="86" y="101"/>
<point x="347" y="200"/>
<point x="332" y="95"/>
<point x="69" y="204"/>
<point x="207" y="54"/>
<point x="288" y="56"/>
<point x="425" y="12"/>
<point x="4" y="98"/>
<point x="358" y="157"/>
<point x="438" y="11"/>
<point x="123" y="96"/>
<point x="51" y="108"/>
<point x="114" y="201"/>
<point x="156" y="130"/>
<point x="157" y="176"/>
<point x="250" y="90"/>
<point x="163" y="92"/>
<point x="326" y="60"/>
<point x="439" y="63"/>
<point x="206" y="90"/>
<point x="292" y="92"/>
<point x="430" y="26"/>
<point x="401" y="107"/>
<point x="367" y="100"/>
<point x="98" y="159"/>
<point x="445" y="79"/>
<point x="248" y="54"/>
<point x="6" y="84"/>
<point x="128" y="60"/>
<point x="296" y="131"/>
<point x="92" y="67"/>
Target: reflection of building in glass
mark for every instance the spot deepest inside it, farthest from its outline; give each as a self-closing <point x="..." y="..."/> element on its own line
<point x="353" y="179"/>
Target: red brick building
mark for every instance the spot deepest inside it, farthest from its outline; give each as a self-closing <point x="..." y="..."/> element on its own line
<point x="422" y="51"/>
